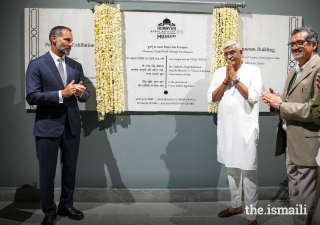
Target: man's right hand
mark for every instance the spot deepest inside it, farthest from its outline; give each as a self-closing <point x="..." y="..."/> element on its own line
<point x="69" y="90"/>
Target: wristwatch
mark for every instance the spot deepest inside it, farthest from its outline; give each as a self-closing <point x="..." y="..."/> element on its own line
<point x="236" y="81"/>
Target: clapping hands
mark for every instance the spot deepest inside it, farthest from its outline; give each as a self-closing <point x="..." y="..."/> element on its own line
<point x="271" y="98"/>
<point x="79" y="89"/>
<point x="318" y="81"/>
<point x="72" y="88"/>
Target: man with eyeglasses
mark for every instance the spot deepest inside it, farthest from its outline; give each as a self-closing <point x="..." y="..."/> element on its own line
<point x="297" y="135"/>
<point x="237" y="87"/>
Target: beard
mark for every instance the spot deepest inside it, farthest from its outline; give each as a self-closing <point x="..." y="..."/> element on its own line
<point x="62" y="49"/>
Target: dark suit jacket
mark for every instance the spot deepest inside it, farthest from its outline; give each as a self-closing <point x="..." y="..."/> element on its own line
<point x="43" y="83"/>
<point x="302" y="135"/>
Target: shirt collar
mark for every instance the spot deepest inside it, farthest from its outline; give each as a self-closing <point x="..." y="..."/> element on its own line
<point x="55" y="57"/>
<point x="298" y="68"/>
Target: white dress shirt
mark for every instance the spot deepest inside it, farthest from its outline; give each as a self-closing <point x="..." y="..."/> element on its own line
<point x="56" y="61"/>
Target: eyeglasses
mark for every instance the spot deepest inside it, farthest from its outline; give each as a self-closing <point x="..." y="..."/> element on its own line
<point x="298" y="43"/>
<point x="227" y="53"/>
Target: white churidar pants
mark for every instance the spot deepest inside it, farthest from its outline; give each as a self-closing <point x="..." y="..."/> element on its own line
<point x="249" y="179"/>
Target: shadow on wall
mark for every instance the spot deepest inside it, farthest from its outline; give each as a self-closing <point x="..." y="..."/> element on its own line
<point x="276" y="174"/>
<point x="26" y="203"/>
<point x="91" y="104"/>
<point x="191" y="156"/>
<point x="18" y="154"/>
<point x="96" y="157"/>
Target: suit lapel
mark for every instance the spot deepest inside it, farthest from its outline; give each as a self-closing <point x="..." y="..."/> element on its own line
<point x="306" y="72"/>
<point x="53" y="68"/>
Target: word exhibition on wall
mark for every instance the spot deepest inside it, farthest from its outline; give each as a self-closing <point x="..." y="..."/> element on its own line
<point x="160" y="61"/>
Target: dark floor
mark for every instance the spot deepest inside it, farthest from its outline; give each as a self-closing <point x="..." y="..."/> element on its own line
<point x="184" y="213"/>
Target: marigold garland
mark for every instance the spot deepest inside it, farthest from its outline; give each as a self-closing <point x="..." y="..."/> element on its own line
<point x="225" y="28"/>
<point x="108" y="60"/>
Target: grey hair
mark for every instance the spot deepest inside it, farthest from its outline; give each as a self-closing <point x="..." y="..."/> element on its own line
<point x="57" y="31"/>
<point x="311" y="37"/>
<point x="232" y="42"/>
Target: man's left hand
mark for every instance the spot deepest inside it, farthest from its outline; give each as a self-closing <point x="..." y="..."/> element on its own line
<point x="272" y="99"/>
<point x="79" y="89"/>
<point x="318" y="81"/>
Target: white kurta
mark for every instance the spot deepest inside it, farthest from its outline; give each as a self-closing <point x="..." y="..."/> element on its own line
<point x="238" y="128"/>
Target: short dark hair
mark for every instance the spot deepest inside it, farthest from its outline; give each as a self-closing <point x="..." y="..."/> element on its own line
<point x="57" y="31"/>
<point x="311" y="37"/>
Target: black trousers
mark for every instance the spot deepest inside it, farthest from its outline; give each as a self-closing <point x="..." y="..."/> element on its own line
<point x="47" y="153"/>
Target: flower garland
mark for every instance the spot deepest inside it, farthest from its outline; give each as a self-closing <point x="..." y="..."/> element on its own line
<point x="108" y="60"/>
<point x="225" y="28"/>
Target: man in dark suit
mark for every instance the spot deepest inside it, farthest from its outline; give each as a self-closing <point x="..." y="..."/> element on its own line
<point x="55" y="83"/>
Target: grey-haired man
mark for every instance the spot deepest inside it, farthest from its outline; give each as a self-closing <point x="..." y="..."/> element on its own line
<point x="297" y="135"/>
<point x="237" y="87"/>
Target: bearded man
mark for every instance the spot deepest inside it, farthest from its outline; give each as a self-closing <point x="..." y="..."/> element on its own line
<point x="54" y="83"/>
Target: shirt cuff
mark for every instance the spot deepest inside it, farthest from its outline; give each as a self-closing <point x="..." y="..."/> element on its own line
<point x="253" y="96"/>
<point x="60" y="97"/>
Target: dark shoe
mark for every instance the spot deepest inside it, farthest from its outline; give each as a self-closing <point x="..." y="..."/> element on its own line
<point x="49" y="220"/>
<point x="71" y="212"/>
<point x="227" y="213"/>
<point x="253" y="223"/>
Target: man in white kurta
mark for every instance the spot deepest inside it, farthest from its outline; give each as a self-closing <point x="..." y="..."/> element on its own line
<point x="236" y="88"/>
